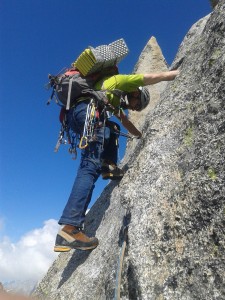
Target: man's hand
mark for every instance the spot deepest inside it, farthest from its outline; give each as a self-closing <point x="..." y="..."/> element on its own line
<point x="129" y="125"/>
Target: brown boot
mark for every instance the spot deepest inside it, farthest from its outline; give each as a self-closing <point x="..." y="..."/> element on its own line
<point x="71" y="237"/>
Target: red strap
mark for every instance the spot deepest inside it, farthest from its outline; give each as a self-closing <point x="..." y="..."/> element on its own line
<point x="71" y="72"/>
<point x="62" y="114"/>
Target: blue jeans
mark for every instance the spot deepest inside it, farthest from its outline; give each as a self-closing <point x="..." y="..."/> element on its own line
<point x="90" y="166"/>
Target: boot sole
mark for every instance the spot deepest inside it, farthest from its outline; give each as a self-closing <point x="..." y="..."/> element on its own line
<point x="61" y="249"/>
<point x="67" y="249"/>
<point x="112" y="177"/>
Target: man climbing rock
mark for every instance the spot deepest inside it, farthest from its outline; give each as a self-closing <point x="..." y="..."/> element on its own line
<point x="100" y="156"/>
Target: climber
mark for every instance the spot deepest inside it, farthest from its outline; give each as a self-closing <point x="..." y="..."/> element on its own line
<point x="100" y="155"/>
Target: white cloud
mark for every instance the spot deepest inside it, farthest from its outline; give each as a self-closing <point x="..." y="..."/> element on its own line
<point x="31" y="256"/>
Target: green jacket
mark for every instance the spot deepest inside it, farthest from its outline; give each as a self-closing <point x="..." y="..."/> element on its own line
<point x="126" y="83"/>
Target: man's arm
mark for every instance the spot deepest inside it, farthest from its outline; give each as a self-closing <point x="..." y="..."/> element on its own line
<point x="153" y="78"/>
<point x="128" y="124"/>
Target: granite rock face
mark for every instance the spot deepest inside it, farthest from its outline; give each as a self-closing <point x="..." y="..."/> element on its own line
<point x="172" y="196"/>
<point x="214" y="3"/>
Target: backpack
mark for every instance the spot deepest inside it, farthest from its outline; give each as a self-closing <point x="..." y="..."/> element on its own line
<point x="78" y="82"/>
<point x="68" y="88"/>
<point x="72" y="85"/>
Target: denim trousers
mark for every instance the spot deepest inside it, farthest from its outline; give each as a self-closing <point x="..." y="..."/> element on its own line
<point x="104" y="147"/>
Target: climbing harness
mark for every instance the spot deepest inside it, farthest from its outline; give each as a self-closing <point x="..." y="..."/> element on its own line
<point x="92" y="121"/>
<point x="96" y="116"/>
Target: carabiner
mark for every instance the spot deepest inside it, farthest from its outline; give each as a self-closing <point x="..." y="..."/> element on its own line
<point x="83" y="142"/>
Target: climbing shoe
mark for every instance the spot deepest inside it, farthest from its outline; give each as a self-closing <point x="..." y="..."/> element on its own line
<point x="111" y="171"/>
<point x="70" y="237"/>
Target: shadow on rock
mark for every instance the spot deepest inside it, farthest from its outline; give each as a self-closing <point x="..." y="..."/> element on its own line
<point x="77" y="259"/>
<point x="97" y="212"/>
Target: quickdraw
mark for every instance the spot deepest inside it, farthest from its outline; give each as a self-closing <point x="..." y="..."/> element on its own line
<point x="62" y="139"/>
<point x="67" y="137"/>
<point x="92" y="117"/>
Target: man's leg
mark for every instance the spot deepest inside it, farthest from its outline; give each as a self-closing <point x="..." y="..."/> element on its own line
<point x="79" y="198"/>
<point x="71" y="235"/>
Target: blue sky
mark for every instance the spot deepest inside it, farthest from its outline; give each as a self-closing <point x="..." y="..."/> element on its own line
<point x="38" y="37"/>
